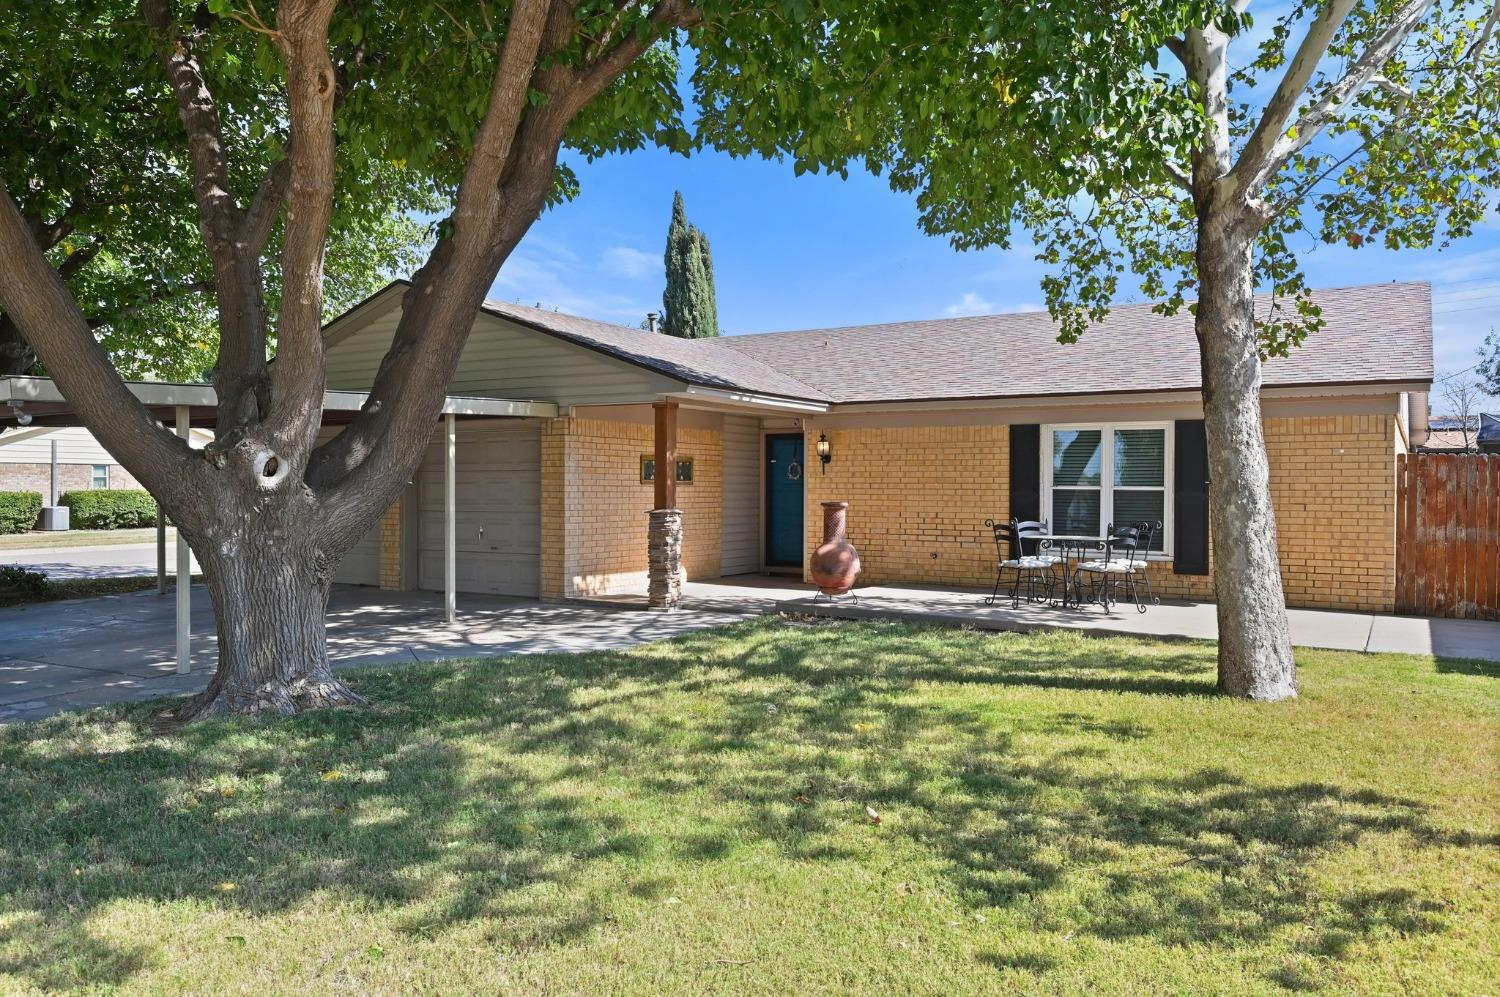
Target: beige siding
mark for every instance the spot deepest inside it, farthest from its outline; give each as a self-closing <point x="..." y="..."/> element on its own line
<point x="505" y="360"/>
<point x="740" y="533"/>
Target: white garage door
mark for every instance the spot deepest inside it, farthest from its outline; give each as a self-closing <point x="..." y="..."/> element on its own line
<point x="499" y="509"/>
<point x="361" y="566"/>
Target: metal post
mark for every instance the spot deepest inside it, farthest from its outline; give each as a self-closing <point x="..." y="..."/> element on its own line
<point x="52" y="485"/>
<point x="184" y="575"/>
<point x="450" y="510"/>
<point x="161" y="551"/>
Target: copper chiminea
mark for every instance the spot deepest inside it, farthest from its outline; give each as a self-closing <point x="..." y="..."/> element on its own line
<point x="834" y="565"/>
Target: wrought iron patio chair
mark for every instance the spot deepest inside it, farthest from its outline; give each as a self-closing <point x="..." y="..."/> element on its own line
<point x="1124" y="561"/>
<point x="1029" y="570"/>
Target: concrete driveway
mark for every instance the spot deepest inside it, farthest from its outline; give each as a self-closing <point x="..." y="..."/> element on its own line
<point x="87" y="652"/>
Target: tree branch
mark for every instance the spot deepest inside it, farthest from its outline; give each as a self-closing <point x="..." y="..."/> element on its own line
<point x="606" y="68"/>
<point x="1177" y="175"/>
<point x="218" y="214"/>
<point x="260" y="218"/>
<point x="299" y="378"/>
<point x="1272" y="143"/>
<point x="35" y="297"/>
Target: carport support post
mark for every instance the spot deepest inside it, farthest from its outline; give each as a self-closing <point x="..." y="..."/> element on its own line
<point x="450" y="509"/>
<point x="184" y="575"/>
<point x="161" y="551"/>
<point x="664" y="536"/>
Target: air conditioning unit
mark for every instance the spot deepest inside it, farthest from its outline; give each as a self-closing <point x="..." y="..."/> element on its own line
<point x="54" y="517"/>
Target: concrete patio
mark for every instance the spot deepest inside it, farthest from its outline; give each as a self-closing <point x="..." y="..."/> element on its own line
<point x="88" y="652"/>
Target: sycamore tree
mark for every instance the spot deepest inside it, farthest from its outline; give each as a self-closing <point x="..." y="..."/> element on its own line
<point x="478" y="96"/>
<point x="96" y="163"/>
<point x="1128" y="142"/>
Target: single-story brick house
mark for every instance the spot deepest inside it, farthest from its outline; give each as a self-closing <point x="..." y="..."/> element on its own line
<point x="931" y="427"/>
<point x="27" y="456"/>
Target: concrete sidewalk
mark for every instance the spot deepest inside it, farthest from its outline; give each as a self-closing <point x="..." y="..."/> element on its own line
<point x="101" y="561"/>
<point x="1372" y="632"/>
<point x="88" y="652"/>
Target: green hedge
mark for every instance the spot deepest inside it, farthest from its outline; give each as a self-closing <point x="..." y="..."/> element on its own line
<point x="19" y="510"/>
<point x="109" y="509"/>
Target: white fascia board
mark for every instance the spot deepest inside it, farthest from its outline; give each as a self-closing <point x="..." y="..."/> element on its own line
<point x="161" y="393"/>
<point x="748" y="400"/>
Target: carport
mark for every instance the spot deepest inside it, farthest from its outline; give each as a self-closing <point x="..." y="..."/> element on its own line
<point x="36" y="401"/>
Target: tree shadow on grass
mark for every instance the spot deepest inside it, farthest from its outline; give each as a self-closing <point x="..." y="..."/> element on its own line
<point x="457" y="799"/>
<point x="1468" y="666"/>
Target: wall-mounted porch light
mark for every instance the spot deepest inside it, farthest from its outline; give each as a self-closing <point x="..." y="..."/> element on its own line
<point x="824" y="453"/>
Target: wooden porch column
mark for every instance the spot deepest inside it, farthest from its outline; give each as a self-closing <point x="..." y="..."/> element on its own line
<point x="666" y="455"/>
<point x="664" y="537"/>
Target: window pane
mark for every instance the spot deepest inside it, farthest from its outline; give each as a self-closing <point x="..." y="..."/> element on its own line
<point x="1076" y="457"/>
<point x="1075" y="512"/>
<point x="1141" y="457"/>
<point x="1141" y="507"/>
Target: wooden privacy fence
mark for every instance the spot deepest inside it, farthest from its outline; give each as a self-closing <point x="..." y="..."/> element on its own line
<point x="1448" y="535"/>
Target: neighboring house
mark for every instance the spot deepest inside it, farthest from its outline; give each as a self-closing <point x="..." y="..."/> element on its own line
<point x="26" y="455"/>
<point x="1447" y="434"/>
<point x="932" y="427"/>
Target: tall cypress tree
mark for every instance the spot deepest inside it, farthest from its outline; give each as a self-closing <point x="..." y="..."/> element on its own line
<point x="690" y="307"/>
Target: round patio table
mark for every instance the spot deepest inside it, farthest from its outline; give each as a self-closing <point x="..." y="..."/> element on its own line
<point x="1073" y="551"/>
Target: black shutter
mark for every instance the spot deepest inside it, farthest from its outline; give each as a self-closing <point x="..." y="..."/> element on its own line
<point x="1025" y="474"/>
<point x="1190" y="505"/>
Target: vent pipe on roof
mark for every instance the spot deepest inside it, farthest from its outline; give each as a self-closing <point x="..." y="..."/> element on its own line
<point x="651" y="321"/>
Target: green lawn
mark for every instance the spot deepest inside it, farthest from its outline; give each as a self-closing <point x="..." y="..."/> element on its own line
<point x="1056" y="814"/>
<point x="76" y="538"/>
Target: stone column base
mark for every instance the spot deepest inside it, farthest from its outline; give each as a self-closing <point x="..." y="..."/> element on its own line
<point x="664" y="559"/>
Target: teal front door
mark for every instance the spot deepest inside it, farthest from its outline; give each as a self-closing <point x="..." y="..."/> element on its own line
<point x="784" y="468"/>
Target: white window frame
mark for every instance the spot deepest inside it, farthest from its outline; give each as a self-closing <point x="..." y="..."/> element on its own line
<point x="1107" y="476"/>
<point x="94" y="476"/>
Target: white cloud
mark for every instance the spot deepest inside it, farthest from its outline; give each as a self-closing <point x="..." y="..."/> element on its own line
<point x="625" y="261"/>
<point x="546" y="274"/>
<point x="969" y="304"/>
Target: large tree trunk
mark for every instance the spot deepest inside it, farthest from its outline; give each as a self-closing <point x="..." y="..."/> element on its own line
<point x="1255" y="653"/>
<point x="268" y="576"/>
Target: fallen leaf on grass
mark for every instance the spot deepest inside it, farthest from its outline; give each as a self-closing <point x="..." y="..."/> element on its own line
<point x="803" y="799"/>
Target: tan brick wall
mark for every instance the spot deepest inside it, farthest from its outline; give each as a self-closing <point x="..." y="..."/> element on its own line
<point x="390" y="548"/>
<point x="35" y="477"/>
<point x="594" y="505"/>
<point x="1333" y="481"/>
<point x="919" y="497"/>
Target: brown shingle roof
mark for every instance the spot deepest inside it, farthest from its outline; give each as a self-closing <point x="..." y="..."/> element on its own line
<point x="1380" y="333"/>
<point x="1376" y="333"/>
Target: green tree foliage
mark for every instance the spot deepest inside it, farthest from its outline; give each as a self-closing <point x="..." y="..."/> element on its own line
<point x="690" y="305"/>
<point x="1075" y="122"/>
<point x="94" y="158"/>
<point x="1489" y="364"/>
